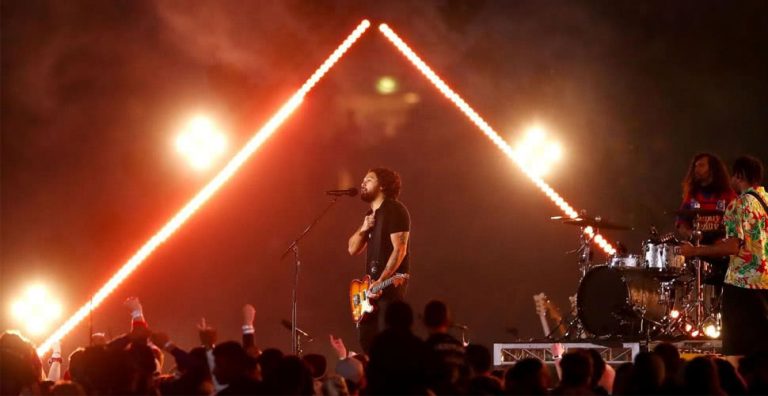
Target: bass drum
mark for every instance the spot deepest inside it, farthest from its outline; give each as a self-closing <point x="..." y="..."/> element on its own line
<point x="613" y="301"/>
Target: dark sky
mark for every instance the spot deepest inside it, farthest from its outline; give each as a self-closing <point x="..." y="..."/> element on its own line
<point x="93" y="93"/>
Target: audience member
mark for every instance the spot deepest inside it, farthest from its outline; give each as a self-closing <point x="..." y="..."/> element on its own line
<point x="527" y="377"/>
<point x="648" y="374"/>
<point x="398" y="358"/>
<point x="754" y="370"/>
<point x="479" y="361"/>
<point x="700" y="377"/>
<point x="447" y="364"/>
<point x="576" y="367"/>
<point x="622" y="383"/>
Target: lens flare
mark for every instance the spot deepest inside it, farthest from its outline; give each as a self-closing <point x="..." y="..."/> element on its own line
<point x="201" y="142"/>
<point x="36" y="309"/>
<point x="386" y="85"/>
<point x="203" y="195"/>
<point x="489" y="132"/>
<point x="537" y="152"/>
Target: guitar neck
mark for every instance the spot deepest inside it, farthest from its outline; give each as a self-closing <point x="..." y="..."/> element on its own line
<point x="384" y="284"/>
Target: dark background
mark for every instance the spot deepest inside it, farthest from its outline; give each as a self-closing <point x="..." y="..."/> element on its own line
<point x="93" y="93"/>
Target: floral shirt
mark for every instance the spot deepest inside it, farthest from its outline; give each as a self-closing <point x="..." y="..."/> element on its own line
<point x="746" y="220"/>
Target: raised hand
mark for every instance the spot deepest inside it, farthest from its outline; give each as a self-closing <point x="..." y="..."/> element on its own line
<point x="338" y="346"/>
<point x="249" y="314"/>
<point x="207" y="334"/>
<point x="133" y="304"/>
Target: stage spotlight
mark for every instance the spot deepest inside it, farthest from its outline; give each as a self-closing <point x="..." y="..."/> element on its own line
<point x="674" y="314"/>
<point x="712" y="331"/>
<point x="537" y="152"/>
<point x="712" y="327"/>
<point x="386" y="85"/>
<point x="36" y="309"/>
<point x="201" y="142"/>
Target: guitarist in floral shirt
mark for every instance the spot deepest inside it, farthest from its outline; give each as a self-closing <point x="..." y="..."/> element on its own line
<point x="745" y="295"/>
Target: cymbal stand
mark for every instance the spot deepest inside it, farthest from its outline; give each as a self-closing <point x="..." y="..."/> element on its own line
<point x="699" y="304"/>
<point x="573" y="329"/>
<point x="585" y="253"/>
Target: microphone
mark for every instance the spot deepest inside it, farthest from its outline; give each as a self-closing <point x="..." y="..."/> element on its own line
<point x="287" y="325"/>
<point x="338" y="193"/>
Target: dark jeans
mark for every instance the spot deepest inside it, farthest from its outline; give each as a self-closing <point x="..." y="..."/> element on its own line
<point x="373" y="323"/>
<point x="745" y="320"/>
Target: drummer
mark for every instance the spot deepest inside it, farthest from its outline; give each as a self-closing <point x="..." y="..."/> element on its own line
<point x="707" y="192"/>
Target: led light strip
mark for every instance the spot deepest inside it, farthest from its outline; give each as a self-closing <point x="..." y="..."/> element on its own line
<point x="489" y="132"/>
<point x="203" y="195"/>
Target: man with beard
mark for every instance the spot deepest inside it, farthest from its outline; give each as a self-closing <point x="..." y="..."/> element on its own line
<point x="384" y="236"/>
<point x="706" y="187"/>
<point x="745" y="294"/>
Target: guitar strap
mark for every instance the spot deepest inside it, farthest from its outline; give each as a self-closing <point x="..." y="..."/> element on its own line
<point x="376" y="266"/>
<point x="759" y="199"/>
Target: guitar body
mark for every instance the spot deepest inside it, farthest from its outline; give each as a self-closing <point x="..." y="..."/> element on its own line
<point x="358" y="298"/>
<point x="359" y="291"/>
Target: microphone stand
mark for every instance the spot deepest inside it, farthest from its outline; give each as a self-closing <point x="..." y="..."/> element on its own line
<point x="294" y="246"/>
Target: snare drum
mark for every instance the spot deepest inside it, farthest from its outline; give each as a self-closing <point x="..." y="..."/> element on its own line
<point x="629" y="261"/>
<point x="661" y="257"/>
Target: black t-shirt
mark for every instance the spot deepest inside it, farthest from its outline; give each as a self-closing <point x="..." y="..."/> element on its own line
<point x="447" y="370"/>
<point x="391" y="217"/>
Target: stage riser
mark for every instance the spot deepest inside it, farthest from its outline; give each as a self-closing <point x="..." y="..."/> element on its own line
<point x="614" y="353"/>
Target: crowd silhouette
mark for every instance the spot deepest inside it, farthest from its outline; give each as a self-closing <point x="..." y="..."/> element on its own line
<point x="399" y="362"/>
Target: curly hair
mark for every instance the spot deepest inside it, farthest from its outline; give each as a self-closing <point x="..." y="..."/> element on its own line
<point x="389" y="181"/>
<point x="720" y="178"/>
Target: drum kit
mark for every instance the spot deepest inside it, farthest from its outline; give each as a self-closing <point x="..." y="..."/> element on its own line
<point x="654" y="294"/>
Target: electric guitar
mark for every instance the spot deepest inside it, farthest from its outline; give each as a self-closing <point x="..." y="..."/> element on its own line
<point x="546" y="310"/>
<point x="361" y="290"/>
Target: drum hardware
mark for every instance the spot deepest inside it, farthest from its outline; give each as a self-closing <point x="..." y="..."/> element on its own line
<point x="665" y="292"/>
<point x="699" y="303"/>
<point x="655" y="293"/>
<point x="596" y="222"/>
<point x="584" y="251"/>
<point x="574" y="328"/>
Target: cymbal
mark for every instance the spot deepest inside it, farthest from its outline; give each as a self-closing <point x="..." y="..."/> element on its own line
<point x="700" y="212"/>
<point x="596" y="222"/>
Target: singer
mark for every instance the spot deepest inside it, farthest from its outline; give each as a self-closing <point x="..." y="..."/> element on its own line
<point x="384" y="235"/>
